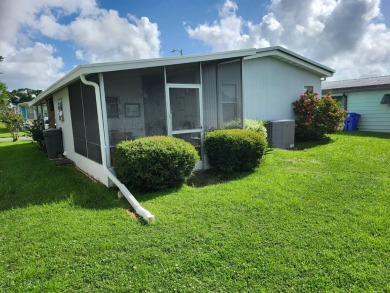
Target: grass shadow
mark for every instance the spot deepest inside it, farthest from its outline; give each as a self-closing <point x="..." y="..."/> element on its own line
<point x="208" y="177"/>
<point x="309" y="144"/>
<point x="198" y="179"/>
<point x="146" y="196"/>
<point x="358" y="133"/>
<point x="27" y="178"/>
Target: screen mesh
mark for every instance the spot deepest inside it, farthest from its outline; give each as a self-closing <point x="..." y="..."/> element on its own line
<point x="84" y="119"/>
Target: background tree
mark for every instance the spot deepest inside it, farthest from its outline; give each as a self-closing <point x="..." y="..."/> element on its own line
<point x="12" y="120"/>
<point x="23" y="95"/>
<point x="4" y="96"/>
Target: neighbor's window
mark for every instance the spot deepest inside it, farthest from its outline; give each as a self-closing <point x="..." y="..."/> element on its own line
<point x="309" y="88"/>
<point x="342" y="100"/>
<point x="30" y="113"/>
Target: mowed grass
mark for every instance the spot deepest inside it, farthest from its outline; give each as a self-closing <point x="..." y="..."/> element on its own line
<point x="4" y="133"/>
<point x="311" y="220"/>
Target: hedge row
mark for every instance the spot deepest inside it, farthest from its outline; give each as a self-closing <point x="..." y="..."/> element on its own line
<point x="159" y="162"/>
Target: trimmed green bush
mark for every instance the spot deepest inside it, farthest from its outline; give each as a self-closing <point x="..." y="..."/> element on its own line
<point x="155" y="162"/>
<point x="231" y="150"/>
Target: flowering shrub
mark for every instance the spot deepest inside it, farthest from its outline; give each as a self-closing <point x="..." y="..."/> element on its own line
<point x="316" y="117"/>
<point x="12" y="121"/>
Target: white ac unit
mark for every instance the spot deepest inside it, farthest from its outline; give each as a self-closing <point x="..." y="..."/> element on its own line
<point x="281" y="133"/>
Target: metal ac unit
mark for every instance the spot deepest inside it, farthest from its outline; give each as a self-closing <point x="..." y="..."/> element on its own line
<point x="281" y="133"/>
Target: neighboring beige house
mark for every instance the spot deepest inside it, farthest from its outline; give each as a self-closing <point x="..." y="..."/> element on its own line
<point x="369" y="97"/>
<point x="28" y="113"/>
<point x="31" y="113"/>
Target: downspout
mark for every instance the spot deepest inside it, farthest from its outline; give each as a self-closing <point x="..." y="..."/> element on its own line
<point x="145" y="214"/>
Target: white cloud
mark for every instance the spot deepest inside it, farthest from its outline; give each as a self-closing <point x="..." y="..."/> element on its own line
<point x="227" y="33"/>
<point x="97" y="35"/>
<point x="348" y="35"/>
<point x="35" y="66"/>
<point x="108" y="37"/>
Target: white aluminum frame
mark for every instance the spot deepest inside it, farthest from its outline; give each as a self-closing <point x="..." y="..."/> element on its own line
<point x="168" y="86"/>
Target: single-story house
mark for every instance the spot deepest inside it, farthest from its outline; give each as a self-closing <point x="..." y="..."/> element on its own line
<point x="99" y="105"/>
<point x="369" y="97"/>
<point x="30" y="114"/>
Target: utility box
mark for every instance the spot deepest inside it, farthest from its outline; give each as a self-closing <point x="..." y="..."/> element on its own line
<point x="53" y="142"/>
<point x="281" y="133"/>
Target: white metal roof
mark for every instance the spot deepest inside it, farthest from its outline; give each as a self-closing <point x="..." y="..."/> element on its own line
<point x="276" y="52"/>
<point x="355" y="84"/>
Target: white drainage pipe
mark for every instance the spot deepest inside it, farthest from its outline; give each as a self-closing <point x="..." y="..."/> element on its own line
<point x="145" y="214"/>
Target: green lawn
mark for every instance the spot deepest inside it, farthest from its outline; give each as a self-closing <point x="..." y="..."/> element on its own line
<point x="5" y="133"/>
<point x="315" y="219"/>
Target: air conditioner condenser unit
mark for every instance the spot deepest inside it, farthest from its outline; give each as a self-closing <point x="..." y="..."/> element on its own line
<point x="281" y="133"/>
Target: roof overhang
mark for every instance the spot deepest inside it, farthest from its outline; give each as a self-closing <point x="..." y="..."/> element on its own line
<point x="341" y="90"/>
<point x="294" y="59"/>
<point x="365" y="84"/>
<point x="275" y="52"/>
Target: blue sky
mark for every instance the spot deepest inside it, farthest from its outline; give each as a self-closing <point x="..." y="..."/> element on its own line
<point x="45" y="39"/>
<point x="171" y="14"/>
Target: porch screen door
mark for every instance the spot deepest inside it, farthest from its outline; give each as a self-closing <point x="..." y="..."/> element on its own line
<point x="185" y="116"/>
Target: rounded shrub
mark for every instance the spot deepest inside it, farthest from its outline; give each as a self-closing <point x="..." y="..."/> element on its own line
<point x="155" y="162"/>
<point x="235" y="149"/>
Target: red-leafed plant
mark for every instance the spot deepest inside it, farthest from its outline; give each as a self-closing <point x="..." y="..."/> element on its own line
<point x="316" y="117"/>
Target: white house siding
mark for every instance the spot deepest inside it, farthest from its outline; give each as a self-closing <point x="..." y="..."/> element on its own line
<point x="66" y="125"/>
<point x="90" y="167"/>
<point x="270" y="86"/>
<point x="374" y="115"/>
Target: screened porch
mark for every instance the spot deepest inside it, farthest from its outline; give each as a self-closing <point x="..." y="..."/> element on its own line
<point x="184" y="100"/>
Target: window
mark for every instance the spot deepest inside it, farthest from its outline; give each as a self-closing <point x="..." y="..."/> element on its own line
<point x="112" y="107"/>
<point x="229" y="102"/>
<point x="342" y="100"/>
<point x="229" y="93"/>
<point x="30" y="113"/>
<point x="309" y="88"/>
